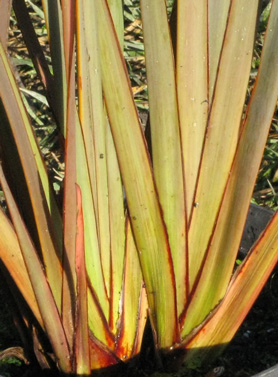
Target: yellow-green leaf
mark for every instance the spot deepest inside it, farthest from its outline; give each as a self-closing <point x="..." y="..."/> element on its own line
<point x="192" y="88"/>
<point x="165" y="135"/>
<point x="145" y="212"/>
<point x="223" y="129"/>
<point x="225" y="242"/>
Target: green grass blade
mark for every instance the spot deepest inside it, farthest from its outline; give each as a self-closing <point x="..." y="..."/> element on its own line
<point x="36" y="53"/>
<point x="147" y="223"/>
<point x="36" y="9"/>
<point x="19" y="112"/>
<point x="165" y="134"/>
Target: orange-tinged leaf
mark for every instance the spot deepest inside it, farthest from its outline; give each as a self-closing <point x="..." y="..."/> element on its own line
<point x="81" y="339"/>
<point x="44" y="296"/>
<point x="41" y="194"/>
<point x="133" y="306"/>
<point x="69" y="211"/>
<point x="145" y="213"/>
<point x="223" y="129"/>
<point x="141" y="321"/>
<point x="101" y="356"/>
<point x="243" y="290"/>
<point x="98" y="324"/>
<point x="10" y="254"/>
<point x="165" y="135"/>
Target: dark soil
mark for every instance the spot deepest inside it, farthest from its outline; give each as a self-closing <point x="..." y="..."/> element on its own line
<point x="254" y="348"/>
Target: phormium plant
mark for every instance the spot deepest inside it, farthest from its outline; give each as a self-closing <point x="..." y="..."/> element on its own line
<point x="147" y="228"/>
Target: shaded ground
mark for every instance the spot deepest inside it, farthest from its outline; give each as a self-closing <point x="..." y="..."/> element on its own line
<point x="254" y="348"/>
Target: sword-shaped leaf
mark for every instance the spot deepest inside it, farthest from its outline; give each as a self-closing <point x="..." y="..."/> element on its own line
<point x="39" y="281"/>
<point x="144" y="208"/>
<point x="252" y="274"/>
<point x="40" y="192"/>
<point x="54" y="22"/>
<point x="223" y="129"/>
<point x="81" y="339"/>
<point x="93" y="122"/>
<point x="225" y="242"/>
<point x="5" y="11"/>
<point x="165" y="135"/>
<point x="192" y="88"/>
<point x="218" y="12"/>
<point x="10" y="254"/>
<point x="133" y="304"/>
